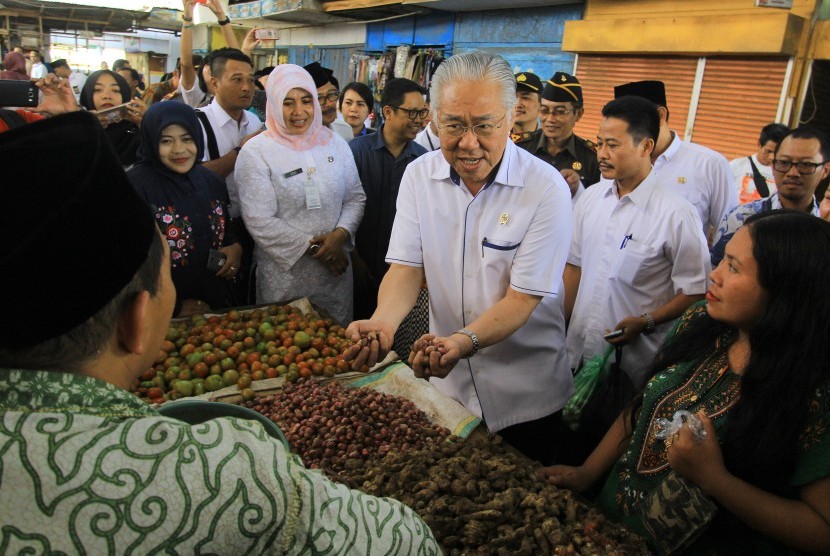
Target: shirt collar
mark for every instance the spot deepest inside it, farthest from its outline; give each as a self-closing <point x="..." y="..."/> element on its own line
<point x="224" y="117"/>
<point x="775" y="204"/>
<point x="53" y="391"/>
<point x="641" y="194"/>
<point x="673" y="147"/>
<point x="508" y="171"/>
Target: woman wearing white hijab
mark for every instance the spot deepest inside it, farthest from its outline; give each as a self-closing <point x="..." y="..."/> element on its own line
<point x="301" y="199"/>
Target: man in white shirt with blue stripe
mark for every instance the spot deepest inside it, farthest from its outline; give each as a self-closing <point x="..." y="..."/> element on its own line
<point x="488" y="225"/>
<point x="638" y="257"/>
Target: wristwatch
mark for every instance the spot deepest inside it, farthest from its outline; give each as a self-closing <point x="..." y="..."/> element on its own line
<point x="650" y="325"/>
<point x="472" y="336"/>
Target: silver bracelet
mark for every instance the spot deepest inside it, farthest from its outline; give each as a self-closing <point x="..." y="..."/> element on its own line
<point x="472" y="336"/>
<point x="650" y="325"/>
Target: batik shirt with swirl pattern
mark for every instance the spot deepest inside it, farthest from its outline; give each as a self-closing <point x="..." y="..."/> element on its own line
<point x="86" y="467"/>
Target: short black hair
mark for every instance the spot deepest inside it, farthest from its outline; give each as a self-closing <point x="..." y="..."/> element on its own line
<point x="361" y="89"/>
<point x="120" y="63"/>
<point x="396" y="89"/>
<point x="807" y="132"/>
<point x="772" y="132"/>
<point x="134" y="75"/>
<point x="219" y="57"/>
<point x="60" y="63"/>
<point x="639" y="113"/>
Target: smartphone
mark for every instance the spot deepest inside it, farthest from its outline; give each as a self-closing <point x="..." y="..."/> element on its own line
<point x="216" y="260"/>
<point x="18" y="93"/>
<point x="200" y="1"/>
<point x="267" y="34"/>
<point x="112" y="115"/>
<point x="614" y="334"/>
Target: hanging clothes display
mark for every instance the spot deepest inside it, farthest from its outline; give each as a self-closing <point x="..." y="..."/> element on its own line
<point x="376" y="70"/>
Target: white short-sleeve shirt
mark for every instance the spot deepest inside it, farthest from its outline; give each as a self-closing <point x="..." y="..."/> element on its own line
<point x="699" y="175"/>
<point x="635" y="253"/>
<point x="229" y="134"/>
<point x="193" y="96"/>
<point x="514" y="233"/>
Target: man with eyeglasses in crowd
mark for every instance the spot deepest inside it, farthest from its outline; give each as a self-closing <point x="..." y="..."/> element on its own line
<point x="381" y="159"/>
<point x="328" y="91"/>
<point x="800" y="163"/>
<point x="555" y="142"/>
<point x="488" y="225"/>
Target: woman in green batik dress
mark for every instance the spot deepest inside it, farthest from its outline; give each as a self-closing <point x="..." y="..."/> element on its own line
<point x="753" y="361"/>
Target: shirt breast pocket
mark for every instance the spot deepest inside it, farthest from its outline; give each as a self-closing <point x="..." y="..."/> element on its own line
<point x="495" y="249"/>
<point x="636" y="262"/>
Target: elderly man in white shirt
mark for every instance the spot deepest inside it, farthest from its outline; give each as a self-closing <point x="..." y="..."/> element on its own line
<point x="696" y="173"/>
<point x="488" y="225"/>
<point x="638" y="257"/>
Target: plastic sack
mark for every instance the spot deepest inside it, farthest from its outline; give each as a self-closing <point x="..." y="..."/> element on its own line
<point x="669" y="427"/>
<point x="586" y="381"/>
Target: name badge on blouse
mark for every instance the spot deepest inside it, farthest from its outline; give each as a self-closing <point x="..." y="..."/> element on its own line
<point x="292" y="173"/>
<point x="312" y="192"/>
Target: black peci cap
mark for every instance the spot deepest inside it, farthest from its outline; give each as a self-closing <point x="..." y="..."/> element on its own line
<point x="77" y="230"/>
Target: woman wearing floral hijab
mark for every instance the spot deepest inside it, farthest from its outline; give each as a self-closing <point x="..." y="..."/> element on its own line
<point x="301" y="199"/>
<point x="190" y="206"/>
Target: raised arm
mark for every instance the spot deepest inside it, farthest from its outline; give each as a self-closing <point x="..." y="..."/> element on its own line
<point x="188" y="72"/>
<point x="227" y="30"/>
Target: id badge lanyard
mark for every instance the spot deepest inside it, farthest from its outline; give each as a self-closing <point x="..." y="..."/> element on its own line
<point x="312" y="190"/>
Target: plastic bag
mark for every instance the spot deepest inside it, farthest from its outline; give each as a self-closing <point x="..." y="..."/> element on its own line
<point x="666" y="428"/>
<point x="586" y="381"/>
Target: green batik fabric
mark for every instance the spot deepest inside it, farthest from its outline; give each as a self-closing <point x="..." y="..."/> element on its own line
<point x="86" y="467"/>
<point x="709" y="385"/>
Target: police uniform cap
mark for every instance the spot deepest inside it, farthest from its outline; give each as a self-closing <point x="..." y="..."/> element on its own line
<point x="563" y="87"/>
<point x="529" y="82"/>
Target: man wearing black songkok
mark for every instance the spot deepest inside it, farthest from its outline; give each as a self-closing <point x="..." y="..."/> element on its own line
<point x="328" y="91"/>
<point x="85" y="465"/>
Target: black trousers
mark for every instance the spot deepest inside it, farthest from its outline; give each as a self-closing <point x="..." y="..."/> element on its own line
<point x="535" y="439"/>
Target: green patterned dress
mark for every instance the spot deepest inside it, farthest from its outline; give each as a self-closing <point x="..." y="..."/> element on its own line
<point x="712" y="386"/>
<point x="86" y="467"/>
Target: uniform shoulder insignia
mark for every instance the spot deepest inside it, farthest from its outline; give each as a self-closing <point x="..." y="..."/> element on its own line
<point x="588" y="143"/>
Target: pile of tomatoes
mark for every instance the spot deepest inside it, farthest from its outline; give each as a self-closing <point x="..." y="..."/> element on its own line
<point x="204" y="354"/>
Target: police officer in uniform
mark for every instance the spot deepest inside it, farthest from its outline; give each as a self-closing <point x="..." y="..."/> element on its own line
<point x="528" y="101"/>
<point x="555" y="142"/>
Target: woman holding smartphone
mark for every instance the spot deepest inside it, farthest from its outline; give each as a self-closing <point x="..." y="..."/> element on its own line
<point x="190" y="206"/>
<point x="108" y="95"/>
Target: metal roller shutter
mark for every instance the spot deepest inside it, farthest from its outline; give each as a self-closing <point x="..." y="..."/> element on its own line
<point x="738" y="97"/>
<point x="599" y="74"/>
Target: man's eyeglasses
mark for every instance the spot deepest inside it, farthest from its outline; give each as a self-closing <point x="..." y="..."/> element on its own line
<point x="804" y="168"/>
<point x="412" y="112"/>
<point x="482" y="131"/>
<point x="331" y="96"/>
<point x="545" y="111"/>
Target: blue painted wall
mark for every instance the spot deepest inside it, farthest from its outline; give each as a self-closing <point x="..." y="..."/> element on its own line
<point x="418" y="30"/>
<point x="530" y="38"/>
